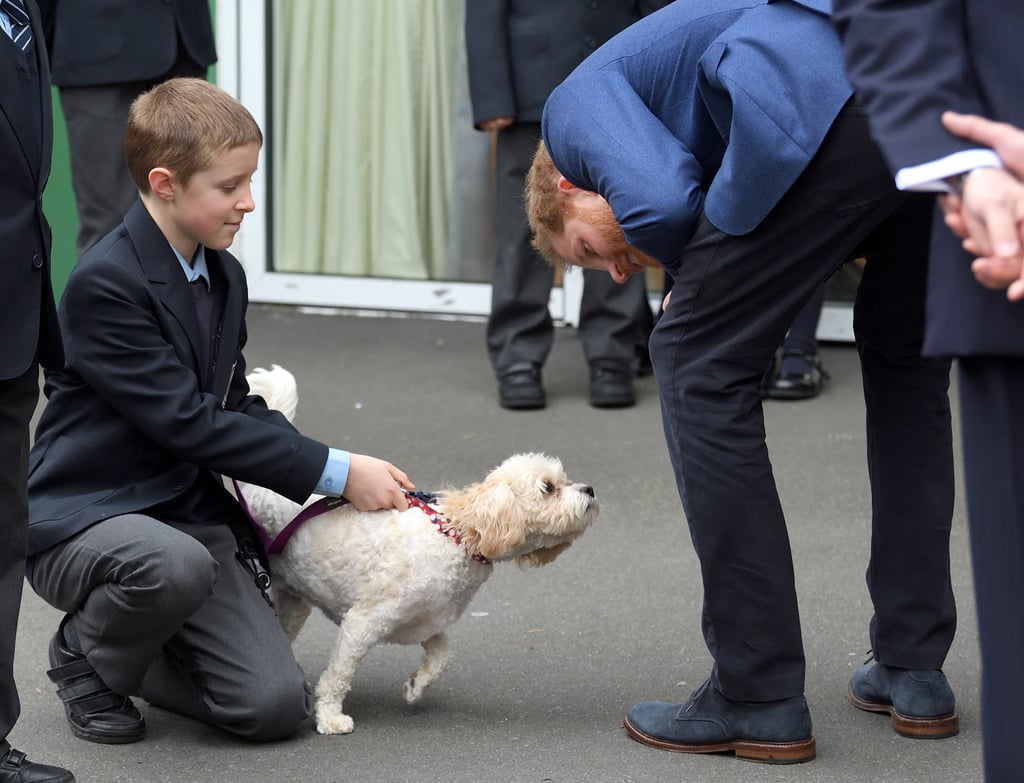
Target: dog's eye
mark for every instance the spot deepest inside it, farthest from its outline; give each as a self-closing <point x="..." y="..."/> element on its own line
<point x="548" y="488"/>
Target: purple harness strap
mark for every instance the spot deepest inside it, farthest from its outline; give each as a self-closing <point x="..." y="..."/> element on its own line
<point x="276" y="545"/>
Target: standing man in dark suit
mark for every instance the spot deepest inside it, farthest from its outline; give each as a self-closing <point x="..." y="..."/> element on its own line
<point x="104" y="54"/>
<point x="718" y="138"/>
<point x="28" y="330"/>
<point x="518" y="51"/>
<point x="909" y="63"/>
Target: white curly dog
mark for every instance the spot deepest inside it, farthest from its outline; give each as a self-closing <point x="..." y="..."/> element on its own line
<point x="403" y="577"/>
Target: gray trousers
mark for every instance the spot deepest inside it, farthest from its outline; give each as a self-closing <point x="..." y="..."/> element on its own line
<point x="613" y="318"/>
<point x="168" y="613"/>
<point x="17" y="402"/>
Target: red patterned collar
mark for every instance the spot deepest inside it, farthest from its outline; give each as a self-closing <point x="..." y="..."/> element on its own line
<point x="443" y="525"/>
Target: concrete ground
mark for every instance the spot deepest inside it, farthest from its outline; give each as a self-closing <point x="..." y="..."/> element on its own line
<point x="547" y="661"/>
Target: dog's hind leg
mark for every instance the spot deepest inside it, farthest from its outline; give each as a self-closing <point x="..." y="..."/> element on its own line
<point x="436" y="656"/>
<point x="357" y="634"/>
<point x="292" y="611"/>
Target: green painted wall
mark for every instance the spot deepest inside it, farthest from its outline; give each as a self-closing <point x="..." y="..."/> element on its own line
<point x="59" y="203"/>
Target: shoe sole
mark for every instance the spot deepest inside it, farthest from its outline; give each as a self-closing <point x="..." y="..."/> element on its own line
<point x="612" y="402"/>
<point x="908" y="726"/>
<point x="522" y="405"/>
<point x="747" y="750"/>
<point x="107" y="739"/>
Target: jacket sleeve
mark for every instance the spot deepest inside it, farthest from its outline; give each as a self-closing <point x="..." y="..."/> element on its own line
<point x="908" y="62"/>
<point x="489" y="60"/>
<point x="121" y="349"/>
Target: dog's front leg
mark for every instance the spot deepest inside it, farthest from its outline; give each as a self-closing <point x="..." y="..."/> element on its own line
<point x="436" y="655"/>
<point x="357" y="634"/>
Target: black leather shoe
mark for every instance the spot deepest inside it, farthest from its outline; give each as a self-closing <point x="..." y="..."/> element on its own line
<point x="800" y="383"/>
<point x="611" y="384"/>
<point x="519" y="388"/>
<point x="919" y="702"/>
<point x="15" y="768"/>
<point x="774" y="732"/>
<point x="95" y="713"/>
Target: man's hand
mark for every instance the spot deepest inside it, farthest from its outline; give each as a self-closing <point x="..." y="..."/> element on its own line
<point x="375" y="484"/>
<point x="988" y="213"/>
<point x="1005" y="139"/>
<point x="496" y="123"/>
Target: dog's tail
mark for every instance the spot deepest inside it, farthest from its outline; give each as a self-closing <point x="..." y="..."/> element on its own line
<point x="277" y="387"/>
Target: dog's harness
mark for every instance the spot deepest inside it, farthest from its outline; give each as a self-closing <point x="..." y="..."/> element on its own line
<point x="276" y="545"/>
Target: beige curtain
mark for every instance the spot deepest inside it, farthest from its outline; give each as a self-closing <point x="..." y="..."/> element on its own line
<point x="361" y="135"/>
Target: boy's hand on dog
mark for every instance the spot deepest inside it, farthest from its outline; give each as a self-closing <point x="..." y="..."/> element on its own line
<point x="375" y="484"/>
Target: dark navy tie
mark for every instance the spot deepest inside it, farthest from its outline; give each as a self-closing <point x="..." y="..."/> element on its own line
<point x="21" y="30"/>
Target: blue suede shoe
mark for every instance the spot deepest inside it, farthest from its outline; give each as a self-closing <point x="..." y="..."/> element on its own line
<point x="776" y="732"/>
<point x="919" y="701"/>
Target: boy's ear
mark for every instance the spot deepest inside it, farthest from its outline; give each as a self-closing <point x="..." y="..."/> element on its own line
<point x="564" y="184"/>
<point x="161" y="183"/>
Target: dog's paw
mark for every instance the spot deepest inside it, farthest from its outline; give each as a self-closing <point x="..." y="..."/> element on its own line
<point x="333" y="721"/>
<point x="413" y="690"/>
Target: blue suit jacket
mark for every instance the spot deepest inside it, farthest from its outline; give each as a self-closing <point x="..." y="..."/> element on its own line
<point x="910" y="62"/>
<point x="712" y="106"/>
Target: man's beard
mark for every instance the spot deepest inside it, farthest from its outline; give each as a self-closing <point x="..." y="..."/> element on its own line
<point x="601" y="218"/>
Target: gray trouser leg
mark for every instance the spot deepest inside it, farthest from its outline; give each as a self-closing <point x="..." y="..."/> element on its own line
<point x="168" y="613"/>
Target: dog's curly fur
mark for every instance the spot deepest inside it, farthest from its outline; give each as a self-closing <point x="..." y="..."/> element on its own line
<point x="390" y="576"/>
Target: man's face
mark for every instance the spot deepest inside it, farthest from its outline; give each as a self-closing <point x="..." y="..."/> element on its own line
<point x="591" y="238"/>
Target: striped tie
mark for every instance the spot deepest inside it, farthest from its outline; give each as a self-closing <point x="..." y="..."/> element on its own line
<point x="21" y="30"/>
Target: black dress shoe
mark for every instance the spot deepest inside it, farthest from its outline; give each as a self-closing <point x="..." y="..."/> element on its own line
<point x="95" y="713"/>
<point x="611" y="384"/>
<point x="15" y="768"/>
<point x="519" y="388"/>
<point x="797" y="376"/>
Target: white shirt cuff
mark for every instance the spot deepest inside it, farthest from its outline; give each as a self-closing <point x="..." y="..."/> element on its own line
<point x="932" y="176"/>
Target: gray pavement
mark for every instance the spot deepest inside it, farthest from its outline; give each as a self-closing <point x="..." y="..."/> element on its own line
<point x="546" y="661"/>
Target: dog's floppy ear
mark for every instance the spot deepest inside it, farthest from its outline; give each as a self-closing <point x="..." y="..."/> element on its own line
<point x="540" y="557"/>
<point x="490" y="522"/>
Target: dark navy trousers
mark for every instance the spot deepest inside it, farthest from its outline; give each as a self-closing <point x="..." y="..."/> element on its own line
<point x="733" y="300"/>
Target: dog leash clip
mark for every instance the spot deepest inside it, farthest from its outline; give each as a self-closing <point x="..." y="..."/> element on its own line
<point x="246" y="554"/>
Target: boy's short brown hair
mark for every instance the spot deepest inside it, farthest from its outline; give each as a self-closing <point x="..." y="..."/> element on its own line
<point x="182" y="125"/>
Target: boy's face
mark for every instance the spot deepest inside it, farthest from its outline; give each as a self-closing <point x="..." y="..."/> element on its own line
<point x="208" y="210"/>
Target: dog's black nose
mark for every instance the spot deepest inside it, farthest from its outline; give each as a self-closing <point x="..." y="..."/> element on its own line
<point x="588" y="491"/>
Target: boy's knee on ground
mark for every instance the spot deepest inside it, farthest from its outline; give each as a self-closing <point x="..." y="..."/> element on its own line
<point x="268" y="711"/>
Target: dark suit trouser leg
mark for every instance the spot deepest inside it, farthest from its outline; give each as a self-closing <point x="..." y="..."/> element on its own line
<point x="96" y="118"/>
<point x="519" y="329"/>
<point x="732" y="302"/>
<point x="17" y="402"/>
<point x="168" y="613"/>
<point x="611" y="316"/>
<point x="908" y="424"/>
<point x="991" y="391"/>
